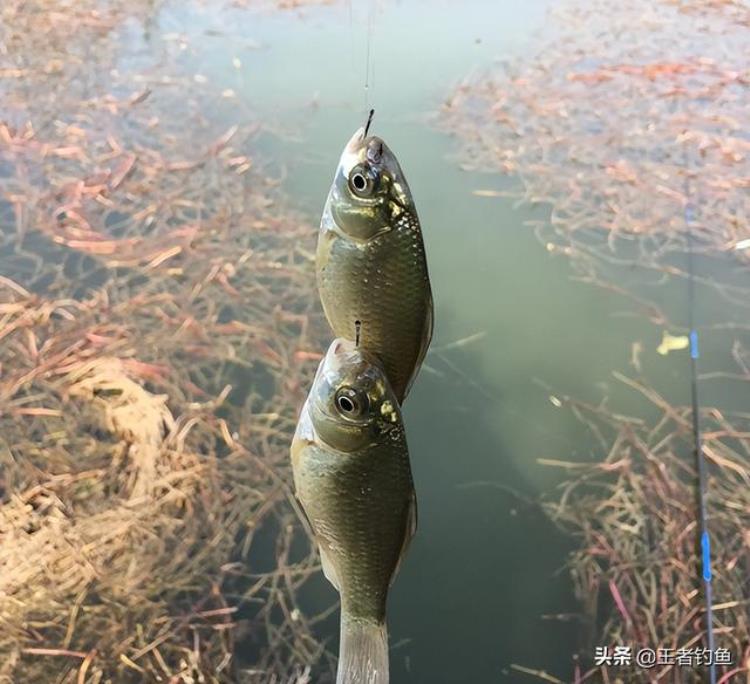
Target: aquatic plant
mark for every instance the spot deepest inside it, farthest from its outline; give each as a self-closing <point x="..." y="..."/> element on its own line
<point x="629" y="122"/>
<point x="155" y="314"/>
<point x="634" y="512"/>
<point x="625" y="115"/>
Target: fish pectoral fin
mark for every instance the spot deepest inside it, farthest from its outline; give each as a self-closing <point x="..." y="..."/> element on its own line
<point x="328" y="568"/>
<point x="303" y="517"/>
<point x="411" y="530"/>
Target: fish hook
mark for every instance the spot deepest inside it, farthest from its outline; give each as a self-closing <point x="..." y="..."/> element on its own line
<point x="369" y="121"/>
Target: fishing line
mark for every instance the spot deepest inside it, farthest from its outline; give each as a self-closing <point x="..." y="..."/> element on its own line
<point x="352" y="42"/>
<point x="368" y="62"/>
<point x="700" y="457"/>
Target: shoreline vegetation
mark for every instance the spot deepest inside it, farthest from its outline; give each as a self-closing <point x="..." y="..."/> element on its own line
<point x="151" y="269"/>
<point x="628" y="119"/>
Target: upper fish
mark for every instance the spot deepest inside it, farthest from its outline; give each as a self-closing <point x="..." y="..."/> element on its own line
<point x="371" y="265"/>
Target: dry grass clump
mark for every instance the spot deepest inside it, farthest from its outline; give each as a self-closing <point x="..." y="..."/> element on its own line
<point x="145" y="430"/>
<point x="127" y="411"/>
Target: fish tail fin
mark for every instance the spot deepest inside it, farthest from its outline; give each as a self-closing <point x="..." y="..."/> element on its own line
<point x="363" y="652"/>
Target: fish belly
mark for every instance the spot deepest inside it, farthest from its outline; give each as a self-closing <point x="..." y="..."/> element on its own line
<point x="358" y="506"/>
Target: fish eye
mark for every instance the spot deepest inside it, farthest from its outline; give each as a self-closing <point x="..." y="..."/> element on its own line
<point x="361" y="181"/>
<point x="351" y="402"/>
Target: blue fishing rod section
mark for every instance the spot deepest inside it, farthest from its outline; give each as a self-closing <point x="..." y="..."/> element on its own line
<point x="700" y="458"/>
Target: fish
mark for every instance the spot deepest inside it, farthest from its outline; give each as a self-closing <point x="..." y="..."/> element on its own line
<point x="371" y="264"/>
<point x="353" y="481"/>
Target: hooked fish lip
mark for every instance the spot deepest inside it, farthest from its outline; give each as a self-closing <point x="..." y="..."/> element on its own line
<point x="340" y="347"/>
<point x="374" y="153"/>
<point x="355" y="142"/>
<point x="343" y="353"/>
<point x="337" y="354"/>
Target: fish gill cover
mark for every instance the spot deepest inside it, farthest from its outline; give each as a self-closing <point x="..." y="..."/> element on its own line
<point x="630" y="123"/>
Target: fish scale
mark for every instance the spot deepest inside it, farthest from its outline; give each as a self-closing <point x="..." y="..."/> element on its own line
<point x="384" y="284"/>
<point x="363" y="533"/>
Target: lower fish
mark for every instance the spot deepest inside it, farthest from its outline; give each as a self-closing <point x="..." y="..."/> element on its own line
<point x="353" y="480"/>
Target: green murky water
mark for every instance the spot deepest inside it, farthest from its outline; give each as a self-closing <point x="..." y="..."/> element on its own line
<point x="485" y="567"/>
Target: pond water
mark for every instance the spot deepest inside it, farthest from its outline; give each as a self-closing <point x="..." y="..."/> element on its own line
<point x="484" y="577"/>
<point x="485" y="568"/>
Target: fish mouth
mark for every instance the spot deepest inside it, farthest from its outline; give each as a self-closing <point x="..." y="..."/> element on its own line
<point x="355" y="142"/>
<point x="340" y="352"/>
<point x="373" y="145"/>
<point x="374" y="152"/>
<point x="344" y="350"/>
<point x="352" y="154"/>
<point x="345" y="358"/>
